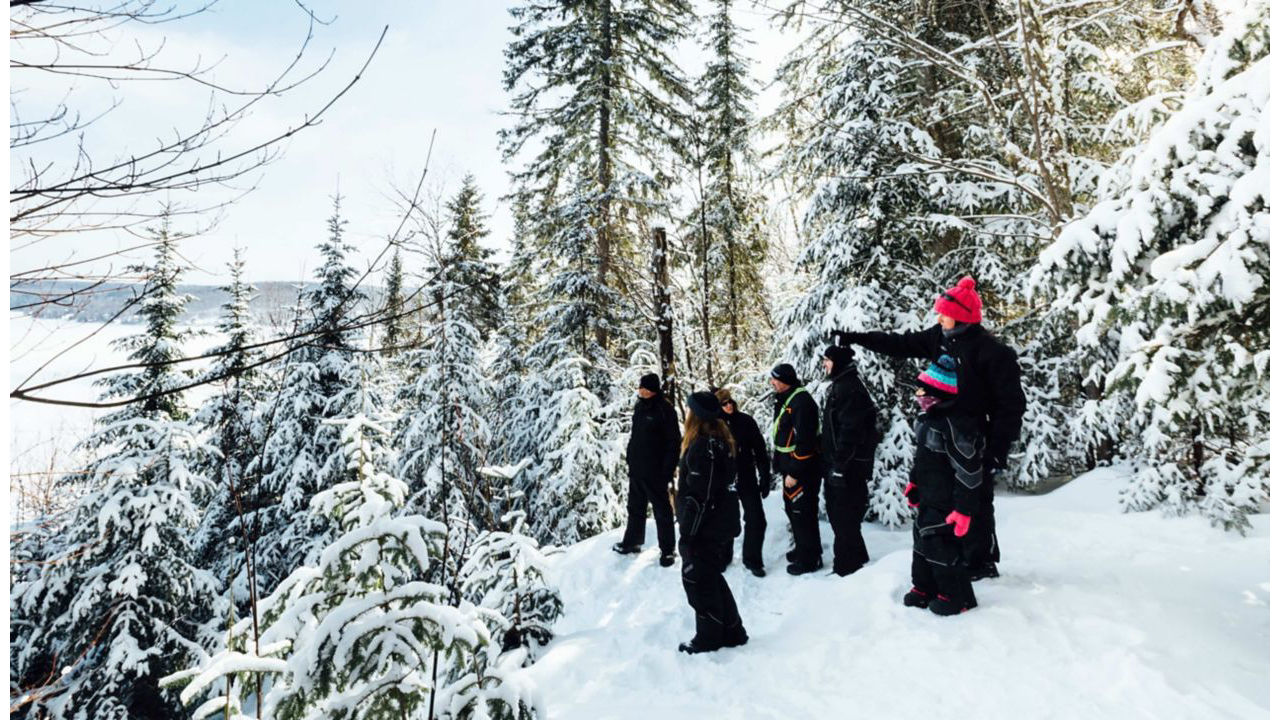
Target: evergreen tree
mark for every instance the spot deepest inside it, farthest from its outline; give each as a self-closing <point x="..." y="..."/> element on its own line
<point x="595" y="87"/>
<point x="321" y="379"/>
<point x="471" y="267"/>
<point x="393" y="325"/>
<point x="121" y="604"/>
<point x="730" y="217"/>
<point x="230" y="419"/>
<point x="1168" y="277"/>
<point x="372" y="628"/>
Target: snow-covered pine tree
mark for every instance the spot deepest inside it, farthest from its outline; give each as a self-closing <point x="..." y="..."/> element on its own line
<point x="442" y="432"/>
<point x="731" y="209"/>
<point x="394" y="322"/>
<point x="595" y="89"/>
<point x="321" y="378"/>
<point x="574" y="488"/>
<point x="1169" y="278"/>
<point x="372" y="628"/>
<point x="122" y="603"/>
<point x="229" y="418"/>
<point x="472" y="267"/>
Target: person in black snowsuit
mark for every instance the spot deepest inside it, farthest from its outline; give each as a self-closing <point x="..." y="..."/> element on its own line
<point x="707" y="516"/>
<point x="796" y="458"/>
<point x="945" y="489"/>
<point x="849" y="439"/>
<point x="753" y="480"/>
<point x="990" y="393"/>
<point x="652" y="453"/>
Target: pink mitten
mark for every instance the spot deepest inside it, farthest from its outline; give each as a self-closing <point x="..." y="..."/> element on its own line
<point x="961" y="522"/>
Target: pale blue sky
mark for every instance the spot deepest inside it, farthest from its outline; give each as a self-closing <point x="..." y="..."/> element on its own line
<point x="439" y="68"/>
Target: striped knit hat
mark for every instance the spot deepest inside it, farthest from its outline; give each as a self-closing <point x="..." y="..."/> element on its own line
<point x="940" y="376"/>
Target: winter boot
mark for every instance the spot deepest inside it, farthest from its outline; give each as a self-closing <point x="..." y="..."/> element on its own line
<point x="943" y="605"/>
<point x="800" y="568"/>
<point x="667" y="559"/>
<point x="917" y="598"/>
<point x="985" y="570"/>
<point x="735" y="637"/>
<point x="695" y="646"/>
<point x="624" y="549"/>
<point x="792" y="555"/>
<point x="756" y="570"/>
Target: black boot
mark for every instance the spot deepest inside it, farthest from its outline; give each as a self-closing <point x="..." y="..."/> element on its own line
<point x="756" y="570"/>
<point x="917" y="598"/>
<point x="695" y="646"/>
<point x="667" y="559"/>
<point x="791" y="555"/>
<point x="944" y="605"/>
<point x="800" y="568"/>
<point x="985" y="570"/>
<point x="624" y="549"/>
<point x="735" y="637"/>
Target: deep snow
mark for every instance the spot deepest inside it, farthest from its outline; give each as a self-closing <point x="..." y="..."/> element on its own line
<point x="1097" y="614"/>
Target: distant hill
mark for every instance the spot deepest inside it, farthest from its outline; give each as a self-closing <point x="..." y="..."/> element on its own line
<point x="77" y="300"/>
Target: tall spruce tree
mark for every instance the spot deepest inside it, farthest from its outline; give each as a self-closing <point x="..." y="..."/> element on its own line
<point x="394" y="322"/>
<point x="320" y="379"/>
<point x="121" y="605"/>
<point x="471" y="267"/>
<point x="730" y="217"/>
<point x="229" y="418"/>
<point x="595" y="90"/>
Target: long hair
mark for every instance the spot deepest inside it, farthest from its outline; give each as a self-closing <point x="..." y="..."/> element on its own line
<point x="695" y="426"/>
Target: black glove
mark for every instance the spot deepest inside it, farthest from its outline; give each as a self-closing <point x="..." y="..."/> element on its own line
<point x="765" y="482"/>
<point x="847" y="338"/>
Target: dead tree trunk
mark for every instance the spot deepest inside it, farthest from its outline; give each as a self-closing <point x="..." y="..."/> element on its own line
<point x="662" y="312"/>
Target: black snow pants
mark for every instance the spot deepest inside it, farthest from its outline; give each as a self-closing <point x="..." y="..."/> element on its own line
<point x="714" y="608"/>
<point x="980" y="544"/>
<point x="801" y="504"/>
<point x="641" y="493"/>
<point x="846" y="496"/>
<point x="937" y="563"/>
<point x="753" y="525"/>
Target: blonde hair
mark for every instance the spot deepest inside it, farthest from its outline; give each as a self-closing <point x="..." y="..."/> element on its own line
<point x="695" y="426"/>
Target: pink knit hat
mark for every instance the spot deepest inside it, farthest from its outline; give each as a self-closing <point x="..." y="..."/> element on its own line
<point x="961" y="302"/>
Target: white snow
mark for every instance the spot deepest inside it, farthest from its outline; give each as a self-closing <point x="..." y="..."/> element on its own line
<point x="1097" y="614"/>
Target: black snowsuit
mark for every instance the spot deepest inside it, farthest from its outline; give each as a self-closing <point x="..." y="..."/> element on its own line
<point x="849" y="438"/>
<point x="990" y="392"/>
<point x="796" y="445"/>
<point x="752" y="463"/>
<point x="652" y="453"/>
<point x="707" y="515"/>
<point x="948" y="474"/>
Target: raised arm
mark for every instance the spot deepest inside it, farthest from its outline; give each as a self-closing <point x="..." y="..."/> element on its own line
<point x="921" y="344"/>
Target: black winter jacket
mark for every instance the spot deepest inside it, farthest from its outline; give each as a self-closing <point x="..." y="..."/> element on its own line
<point x="654" y="446"/>
<point x="848" y="422"/>
<point x="948" y="465"/>
<point x="752" y="459"/>
<point x="990" y="381"/>
<point x="705" y="507"/>
<point x="797" y="426"/>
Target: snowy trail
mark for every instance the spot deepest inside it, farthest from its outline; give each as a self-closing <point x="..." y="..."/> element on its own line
<point x="1097" y="615"/>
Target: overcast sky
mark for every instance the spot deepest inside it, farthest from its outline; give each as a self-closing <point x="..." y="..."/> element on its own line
<point x="439" y="68"/>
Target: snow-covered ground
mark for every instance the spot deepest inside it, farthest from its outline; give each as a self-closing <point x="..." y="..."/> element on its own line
<point x="1097" y="614"/>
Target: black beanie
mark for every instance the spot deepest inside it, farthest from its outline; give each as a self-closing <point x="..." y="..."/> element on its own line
<point x="652" y="383"/>
<point x="785" y="373"/>
<point x="840" y="357"/>
<point x="705" y="405"/>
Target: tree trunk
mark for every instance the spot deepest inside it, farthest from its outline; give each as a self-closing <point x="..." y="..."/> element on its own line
<point x="604" y="176"/>
<point x="662" y="311"/>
